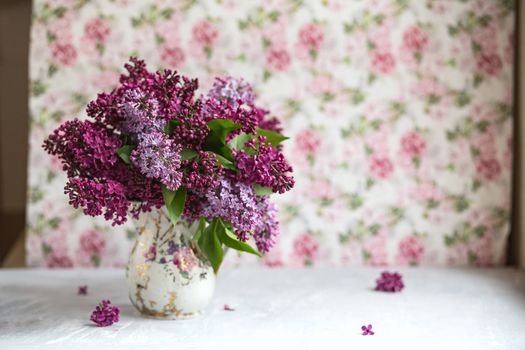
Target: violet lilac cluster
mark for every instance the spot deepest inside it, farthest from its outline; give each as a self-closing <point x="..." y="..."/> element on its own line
<point x="105" y="314"/>
<point x="390" y="282"/>
<point x="250" y="215"/>
<point x="150" y="134"/>
<point x="234" y="91"/>
<point x="158" y="157"/>
<point x="264" y="165"/>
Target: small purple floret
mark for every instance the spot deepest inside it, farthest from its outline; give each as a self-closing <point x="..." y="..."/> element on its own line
<point x="82" y="290"/>
<point x="105" y="314"/>
<point x="367" y="330"/>
<point x="390" y="282"/>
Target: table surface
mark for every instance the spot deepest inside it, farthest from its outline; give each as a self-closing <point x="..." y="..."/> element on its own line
<point x="275" y="309"/>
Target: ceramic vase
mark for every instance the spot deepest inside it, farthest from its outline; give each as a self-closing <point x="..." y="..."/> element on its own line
<point x="167" y="276"/>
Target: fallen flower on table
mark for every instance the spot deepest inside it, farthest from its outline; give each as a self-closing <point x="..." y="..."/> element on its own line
<point x="82" y="290"/>
<point x="228" y="308"/>
<point x="390" y="282"/>
<point x="105" y="314"/>
<point x="367" y="330"/>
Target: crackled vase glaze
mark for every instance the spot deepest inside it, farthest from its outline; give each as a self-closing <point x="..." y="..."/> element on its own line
<point x="167" y="277"/>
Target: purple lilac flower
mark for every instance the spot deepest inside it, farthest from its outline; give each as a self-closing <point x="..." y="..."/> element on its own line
<point x="266" y="232"/>
<point x="367" y="330"/>
<point x="97" y="177"/>
<point x="230" y="91"/>
<point x="191" y="129"/>
<point x="82" y="290"/>
<point x="94" y="196"/>
<point x="135" y="114"/>
<point x="267" y="167"/>
<point x="390" y="282"/>
<point x="264" y="122"/>
<point x="233" y="90"/>
<point x="140" y="113"/>
<point x="166" y="92"/>
<point x="201" y="172"/>
<point x="105" y="314"/>
<point x="244" y="115"/>
<point x="237" y="203"/>
<point x="84" y="147"/>
<point x="158" y="157"/>
<point x="234" y="202"/>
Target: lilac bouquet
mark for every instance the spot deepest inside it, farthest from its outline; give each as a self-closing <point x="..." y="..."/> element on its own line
<point x="213" y="159"/>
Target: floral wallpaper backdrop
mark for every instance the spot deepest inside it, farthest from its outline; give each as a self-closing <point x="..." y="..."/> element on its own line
<point x="399" y="113"/>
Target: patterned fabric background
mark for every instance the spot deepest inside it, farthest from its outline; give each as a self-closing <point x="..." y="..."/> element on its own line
<point x="399" y="112"/>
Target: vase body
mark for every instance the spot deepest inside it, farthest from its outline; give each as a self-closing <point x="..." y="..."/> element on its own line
<point x="166" y="275"/>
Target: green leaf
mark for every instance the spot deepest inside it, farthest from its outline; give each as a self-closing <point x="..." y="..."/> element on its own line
<point x="212" y="144"/>
<point x="216" y="140"/>
<point x="272" y="137"/>
<point x="211" y="246"/>
<point x="200" y="228"/>
<point x="225" y="162"/>
<point x="230" y="240"/>
<point x="221" y="128"/>
<point x="170" y="126"/>
<point x="238" y="141"/>
<point x="174" y="201"/>
<point x="262" y="190"/>
<point x="124" y="153"/>
<point x="186" y="154"/>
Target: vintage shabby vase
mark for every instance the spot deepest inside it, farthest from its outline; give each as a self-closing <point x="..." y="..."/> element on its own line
<point x="167" y="276"/>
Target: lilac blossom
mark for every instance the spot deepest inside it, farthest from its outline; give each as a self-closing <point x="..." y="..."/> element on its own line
<point x="82" y="290"/>
<point x="267" y="229"/>
<point x="367" y="330"/>
<point x="266" y="167"/>
<point x="140" y="113"/>
<point x="84" y="147"/>
<point x="234" y="202"/>
<point x="232" y="90"/>
<point x="156" y="115"/>
<point x="105" y="314"/>
<point x="390" y="282"/>
<point x="201" y="172"/>
<point x="237" y="203"/>
<point x="158" y="157"/>
<point x="239" y="97"/>
<point x="266" y="122"/>
<point x="95" y="196"/>
<point x="244" y="115"/>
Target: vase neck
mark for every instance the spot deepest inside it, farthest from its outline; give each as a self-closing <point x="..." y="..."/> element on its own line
<point x="155" y="227"/>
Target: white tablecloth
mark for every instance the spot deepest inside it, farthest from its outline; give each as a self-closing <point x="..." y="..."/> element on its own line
<point x="275" y="309"/>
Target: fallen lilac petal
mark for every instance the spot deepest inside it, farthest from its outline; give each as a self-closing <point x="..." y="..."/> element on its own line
<point x="228" y="308"/>
<point x="82" y="290"/>
<point x="367" y="330"/>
